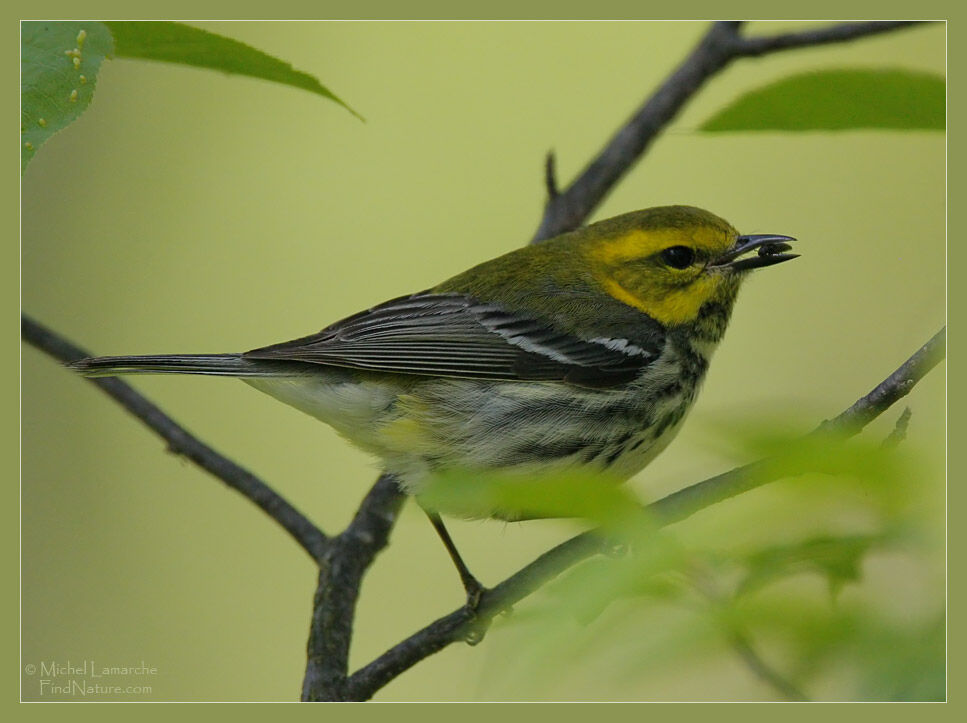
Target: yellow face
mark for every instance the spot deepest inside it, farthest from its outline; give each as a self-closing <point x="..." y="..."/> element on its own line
<point x="666" y="261"/>
<point x="668" y="273"/>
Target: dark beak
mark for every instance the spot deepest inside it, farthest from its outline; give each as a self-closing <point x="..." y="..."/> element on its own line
<point x="771" y="248"/>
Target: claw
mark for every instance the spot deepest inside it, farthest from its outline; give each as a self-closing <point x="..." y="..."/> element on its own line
<point x="475" y="592"/>
<point x="477" y="626"/>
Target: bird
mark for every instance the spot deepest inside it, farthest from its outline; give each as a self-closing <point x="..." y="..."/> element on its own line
<point x="583" y="352"/>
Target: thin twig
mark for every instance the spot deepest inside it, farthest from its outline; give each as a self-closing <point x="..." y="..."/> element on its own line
<point x="550" y="176"/>
<point x="565" y="211"/>
<point x="343" y="560"/>
<point x="707" y="586"/>
<point x="673" y="508"/>
<point x="743" y="647"/>
<point x="718" y="48"/>
<point x="181" y="441"/>
<point x="685" y="502"/>
<point x="891" y="389"/>
<point x="750" y="47"/>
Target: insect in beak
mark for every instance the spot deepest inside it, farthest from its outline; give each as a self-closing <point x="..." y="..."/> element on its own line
<point x="771" y="249"/>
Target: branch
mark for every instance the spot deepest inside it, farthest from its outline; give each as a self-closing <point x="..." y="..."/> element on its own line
<point x="344" y="560"/>
<point x="181" y="441"/>
<point x="679" y="505"/>
<point x="742" y="646"/>
<point x="749" y="47"/>
<point x="340" y="576"/>
<point x="738" y="639"/>
<point x="565" y="211"/>
<point x="721" y="45"/>
<point x="892" y="389"/>
<point x="673" y="508"/>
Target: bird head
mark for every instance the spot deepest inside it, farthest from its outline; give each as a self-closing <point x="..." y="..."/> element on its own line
<point x="671" y="261"/>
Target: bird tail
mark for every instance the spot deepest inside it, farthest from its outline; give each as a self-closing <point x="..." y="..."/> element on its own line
<point x="220" y="365"/>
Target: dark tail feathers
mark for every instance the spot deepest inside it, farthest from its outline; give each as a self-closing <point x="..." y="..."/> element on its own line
<point x="221" y="365"/>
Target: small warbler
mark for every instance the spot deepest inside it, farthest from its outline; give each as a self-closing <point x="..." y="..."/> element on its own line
<point x="582" y="352"/>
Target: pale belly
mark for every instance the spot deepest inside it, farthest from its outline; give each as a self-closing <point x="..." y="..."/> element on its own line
<point x="519" y="429"/>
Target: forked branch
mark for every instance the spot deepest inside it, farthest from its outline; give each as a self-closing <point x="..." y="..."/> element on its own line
<point x="673" y="508"/>
<point x="569" y="208"/>
<point x="344" y="559"/>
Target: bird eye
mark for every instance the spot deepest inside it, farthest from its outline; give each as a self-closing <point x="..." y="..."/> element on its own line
<point x="678" y="257"/>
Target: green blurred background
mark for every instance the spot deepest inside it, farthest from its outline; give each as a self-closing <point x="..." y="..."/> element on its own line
<point x="189" y="211"/>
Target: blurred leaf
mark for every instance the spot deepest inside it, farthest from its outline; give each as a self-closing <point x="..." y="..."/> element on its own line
<point x="652" y="571"/>
<point x="582" y="494"/>
<point x="59" y="62"/>
<point x="178" y="43"/>
<point x="632" y="637"/>
<point x="893" y="659"/>
<point x="907" y="665"/>
<point x="849" y="498"/>
<point x="824" y="463"/>
<point x="836" y="558"/>
<point x="839" y="100"/>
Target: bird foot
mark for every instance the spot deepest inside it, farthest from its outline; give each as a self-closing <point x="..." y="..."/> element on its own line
<point x="477" y="626"/>
<point x="475" y="591"/>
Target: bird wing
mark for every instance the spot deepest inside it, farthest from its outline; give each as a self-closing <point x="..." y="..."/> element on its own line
<point x="454" y="335"/>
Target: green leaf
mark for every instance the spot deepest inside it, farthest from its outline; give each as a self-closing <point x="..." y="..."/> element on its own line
<point x="58" y="70"/>
<point x="178" y="43"/>
<point x="839" y="100"/>
<point x="892" y="656"/>
<point x="906" y="665"/>
<point x="585" y="494"/>
<point x="837" y="558"/>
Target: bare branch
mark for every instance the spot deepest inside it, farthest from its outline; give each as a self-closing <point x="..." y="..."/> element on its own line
<point x="719" y="47"/>
<point x="673" y="508"/>
<point x="343" y="560"/>
<point x="569" y="209"/>
<point x="893" y="388"/>
<point x="340" y="576"/>
<point x="181" y="441"/>
<point x="685" y="502"/>
<point x="451" y="628"/>
<point x="822" y="36"/>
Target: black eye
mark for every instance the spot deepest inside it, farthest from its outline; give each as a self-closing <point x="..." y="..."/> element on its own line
<point x="678" y="257"/>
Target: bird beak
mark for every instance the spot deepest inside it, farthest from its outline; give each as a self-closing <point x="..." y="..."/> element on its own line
<point x="771" y="251"/>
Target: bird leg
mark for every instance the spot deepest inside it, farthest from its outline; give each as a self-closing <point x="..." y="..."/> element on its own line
<point x="471" y="585"/>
